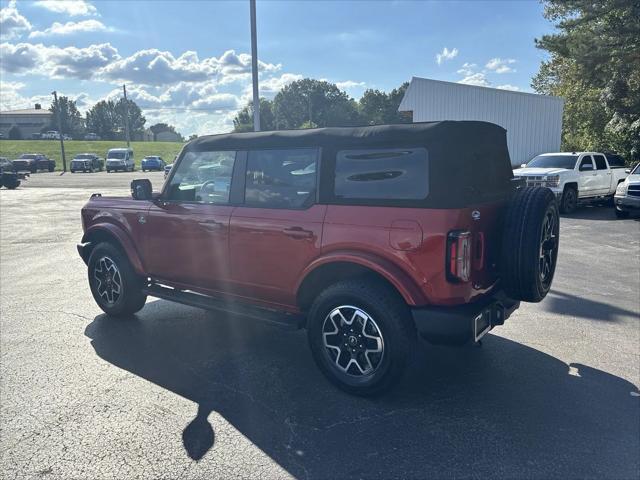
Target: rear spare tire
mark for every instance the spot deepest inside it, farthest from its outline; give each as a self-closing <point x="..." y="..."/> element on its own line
<point x="530" y="244"/>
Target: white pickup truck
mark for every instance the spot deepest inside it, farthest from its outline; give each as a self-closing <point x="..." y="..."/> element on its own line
<point x="573" y="176"/>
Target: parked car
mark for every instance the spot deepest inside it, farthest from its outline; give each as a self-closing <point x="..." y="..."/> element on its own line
<point x="92" y="136"/>
<point x="627" y="197"/>
<point x="573" y="177"/>
<point x="33" y="162"/>
<point x="120" y="159"/>
<point x="86" y="162"/>
<point x="167" y="170"/>
<point x="51" y="135"/>
<point x="152" y="162"/>
<point x="383" y="234"/>
<point x="8" y="175"/>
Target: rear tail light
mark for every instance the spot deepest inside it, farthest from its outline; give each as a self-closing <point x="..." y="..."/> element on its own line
<point x="459" y="256"/>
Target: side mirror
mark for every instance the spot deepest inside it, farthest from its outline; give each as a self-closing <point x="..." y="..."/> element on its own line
<point x="628" y="170"/>
<point x="141" y="189"/>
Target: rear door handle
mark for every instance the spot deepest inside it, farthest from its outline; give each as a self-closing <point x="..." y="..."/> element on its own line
<point x="212" y="225"/>
<point x="297" y="232"/>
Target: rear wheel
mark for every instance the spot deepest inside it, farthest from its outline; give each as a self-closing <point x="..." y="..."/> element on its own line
<point x="530" y="244"/>
<point x="115" y="286"/>
<point x="361" y="336"/>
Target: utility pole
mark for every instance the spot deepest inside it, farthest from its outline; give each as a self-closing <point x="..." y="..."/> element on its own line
<point x="254" y="68"/>
<point x="126" y="114"/>
<point x="57" y="107"/>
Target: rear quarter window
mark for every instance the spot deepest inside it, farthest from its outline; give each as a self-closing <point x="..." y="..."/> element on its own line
<point x="382" y="174"/>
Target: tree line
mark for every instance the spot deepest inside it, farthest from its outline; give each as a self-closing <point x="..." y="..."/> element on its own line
<point x="594" y="65"/>
<point x="310" y="103"/>
<point x="106" y="119"/>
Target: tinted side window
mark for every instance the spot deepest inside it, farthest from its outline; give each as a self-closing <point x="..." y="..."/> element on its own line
<point x="601" y="163"/>
<point x="281" y="178"/>
<point x="586" y="163"/>
<point x="615" y="161"/>
<point x="383" y="174"/>
<point x="203" y="177"/>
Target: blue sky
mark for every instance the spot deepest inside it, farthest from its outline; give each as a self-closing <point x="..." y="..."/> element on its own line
<point x="188" y="63"/>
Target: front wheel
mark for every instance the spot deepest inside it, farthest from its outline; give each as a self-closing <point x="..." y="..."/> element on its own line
<point x="115" y="286"/>
<point x="569" y="201"/>
<point x="361" y="336"/>
<point x="621" y="213"/>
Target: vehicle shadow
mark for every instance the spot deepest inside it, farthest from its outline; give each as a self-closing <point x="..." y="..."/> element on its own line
<point x="592" y="212"/>
<point x="503" y="410"/>
<point x="568" y="304"/>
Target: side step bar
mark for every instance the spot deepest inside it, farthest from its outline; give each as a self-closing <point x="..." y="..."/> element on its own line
<point x="281" y="319"/>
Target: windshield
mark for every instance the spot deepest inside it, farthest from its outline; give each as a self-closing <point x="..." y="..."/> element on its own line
<point x="636" y="170"/>
<point x="29" y="155"/>
<point x="151" y="158"/>
<point x="84" y="155"/>
<point x="116" y="155"/>
<point x="553" y="161"/>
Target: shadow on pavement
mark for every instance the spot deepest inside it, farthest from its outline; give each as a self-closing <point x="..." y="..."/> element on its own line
<point x="573" y="305"/>
<point x="503" y="410"/>
<point x="596" y="212"/>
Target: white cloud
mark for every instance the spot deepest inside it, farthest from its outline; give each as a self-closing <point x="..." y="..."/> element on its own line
<point x="11" y="98"/>
<point x="71" y="28"/>
<point x="467" y="69"/>
<point x="508" y="86"/>
<point x="12" y="24"/>
<point x="446" y="54"/>
<point x="350" y="85"/>
<point x="156" y="67"/>
<point x="500" y="65"/>
<point x="68" y="62"/>
<point x="478" y="79"/>
<point x="72" y="8"/>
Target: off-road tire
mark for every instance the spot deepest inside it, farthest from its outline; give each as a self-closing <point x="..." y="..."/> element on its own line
<point x="524" y="271"/>
<point x="621" y="213"/>
<point x="391" y="316"/>
<point x="131" y="298"/>
<point x="569" y="201"/>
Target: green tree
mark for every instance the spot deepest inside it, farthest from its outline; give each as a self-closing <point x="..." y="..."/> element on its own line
<point x="164" y="127"/>
<point x="595" y="61"/>
<point x="314" y="101"/>
<point x="103" y="120"/>
<point x="136" y="119"/>
<point x="243" y="122"/>
<point x="70" y="118"/>
<point x="378" y="107"/>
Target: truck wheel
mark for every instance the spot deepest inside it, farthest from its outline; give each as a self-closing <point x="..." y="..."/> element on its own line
<point x="530" y="244"/>
<point x="33" y="169"/>
<point x="361" y="336"/>
<point x="621" y="213"/>
<point x="12" y="185"/>
<point x="51" y="168"/>
<point x="115" y="286"/>
<point x="569" y="201"/>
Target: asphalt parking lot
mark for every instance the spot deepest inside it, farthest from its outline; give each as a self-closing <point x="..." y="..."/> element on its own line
<point x="183" y="393"/>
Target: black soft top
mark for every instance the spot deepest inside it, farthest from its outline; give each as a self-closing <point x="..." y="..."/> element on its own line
<point x="468" y="160"/>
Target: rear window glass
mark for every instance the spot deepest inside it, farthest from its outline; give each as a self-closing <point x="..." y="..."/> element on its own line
<point x="615" y="161"/>
<point x="382" y="174"/>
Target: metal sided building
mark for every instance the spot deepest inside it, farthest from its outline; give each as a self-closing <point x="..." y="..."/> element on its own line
<point x="533" y="122"/>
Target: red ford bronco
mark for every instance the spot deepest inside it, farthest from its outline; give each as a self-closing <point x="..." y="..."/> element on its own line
<point x="369" y="237"/>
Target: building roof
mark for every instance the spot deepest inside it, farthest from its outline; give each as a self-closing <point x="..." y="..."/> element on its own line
<point x="27" y="111"/>
<point x="406" y="105"/>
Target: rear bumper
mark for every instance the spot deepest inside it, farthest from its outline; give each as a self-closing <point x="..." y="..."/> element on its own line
<point x="460" y="324"/>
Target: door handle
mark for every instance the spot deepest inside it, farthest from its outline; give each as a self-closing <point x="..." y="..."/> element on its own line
<point x="297" y="232"/>
<point x="212" y="225"/>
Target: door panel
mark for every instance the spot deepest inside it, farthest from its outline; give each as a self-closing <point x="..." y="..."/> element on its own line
<point x="603" y="179"/>
<point x="587" y="184"/>
<point x="188" y="243"/>
<point x="269" y="249"/>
